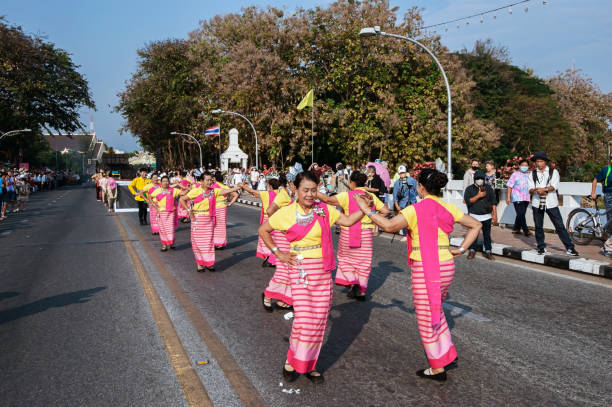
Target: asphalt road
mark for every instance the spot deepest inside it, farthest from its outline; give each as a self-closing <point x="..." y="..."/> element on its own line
<point x="76" y="327"/>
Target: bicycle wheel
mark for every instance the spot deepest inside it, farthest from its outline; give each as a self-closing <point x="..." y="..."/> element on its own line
<point x="580" y="226"/>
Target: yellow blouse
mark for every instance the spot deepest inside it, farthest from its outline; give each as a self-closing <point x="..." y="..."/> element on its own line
<point x="411" y="217"/>
<point x="285" y="218"/>
<point x="366" y="222"/>
<point x="202" y="206"/>
<point x="221" y="202"/>
<point x="161" y="204"/>
<point x="282" y="198"/>
<point x="137" y="185"/>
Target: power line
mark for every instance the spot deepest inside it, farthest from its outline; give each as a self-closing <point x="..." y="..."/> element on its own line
<point x="508" y="6"/>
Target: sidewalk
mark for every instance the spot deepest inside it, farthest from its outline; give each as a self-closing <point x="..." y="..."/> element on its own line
<point x="519" y="247"/>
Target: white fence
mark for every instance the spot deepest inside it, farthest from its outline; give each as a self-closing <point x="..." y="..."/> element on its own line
<point x="570" y="194"/>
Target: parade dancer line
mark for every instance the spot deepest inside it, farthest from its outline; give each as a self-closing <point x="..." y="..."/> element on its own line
<point x="220" y="233"/>
<point x="355" y="245"/>
<point x="164" y="198"/>
<point x="311" y="260"/>
<point x="429" y="223"/>
<point x="203" y="214"/>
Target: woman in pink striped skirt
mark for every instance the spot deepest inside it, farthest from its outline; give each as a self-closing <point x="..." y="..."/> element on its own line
<point x="148" y="190"/>
<point x="429" y="223"/>
<point x="310" y="261"/>
<point x="355" y="245"/>
<point x="203" y="215"/>
<point x="220" y="232"/>
<point x="164" y="198"/>
<point x="184" y="184"/>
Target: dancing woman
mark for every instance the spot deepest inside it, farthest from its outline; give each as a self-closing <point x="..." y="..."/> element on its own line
<point x="203" y="213"/>
<point x="148" y="190"/>
<point x="185" y="184"/>
<point x="220" y="233"/>
<point x="355" y="245"/>
<point x="267" y="198"/>
<point x="429" y="223"/>
<point x="164" y="198"/>
<point x="310" y="260"/>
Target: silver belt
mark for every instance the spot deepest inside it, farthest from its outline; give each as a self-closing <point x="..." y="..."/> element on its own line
<point x="301" y="249"/>
<point x="417" y="249"/>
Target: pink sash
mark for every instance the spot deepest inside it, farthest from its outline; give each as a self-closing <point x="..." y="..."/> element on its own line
<point x="298" y="232"/>
<point x="212" y="202"/>
<point x="271" y="197"/>
<point x="431" y="215"/>
<point x="355" y="230"/>
<point x="169" y="199"/>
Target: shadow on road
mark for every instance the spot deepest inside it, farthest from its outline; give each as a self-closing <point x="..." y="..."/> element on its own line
<point x="62" y="300"/>
<point x="8" y="294"/>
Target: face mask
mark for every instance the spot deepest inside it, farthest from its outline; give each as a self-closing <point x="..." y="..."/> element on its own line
<point x="474" y="167"/>
<point x="524" y="168"/>
<point x="479" y="182"/>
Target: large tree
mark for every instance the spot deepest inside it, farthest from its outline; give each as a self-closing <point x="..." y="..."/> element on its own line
<point x="40" y="88"/>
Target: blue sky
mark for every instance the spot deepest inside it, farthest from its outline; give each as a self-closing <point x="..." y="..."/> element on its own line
<point x="103" y="36"/>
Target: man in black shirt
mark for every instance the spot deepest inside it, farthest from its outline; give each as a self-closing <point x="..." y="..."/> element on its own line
<point x="482" y="205"/>
<point x="375" y="184"/>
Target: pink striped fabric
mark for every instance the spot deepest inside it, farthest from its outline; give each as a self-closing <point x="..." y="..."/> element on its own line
<point x="262" y="249"/>
<point x="202" y="229"/>
<point x="279" y="286"/>
<point x="311" y="306"/>
<point x="182" y="212"/>
<point x="153" y="219"/>
<point x="437" y="342"/>
<point x="354" y="263"/>
<point x="166" y="227"/>
<point x="220" y="234"/>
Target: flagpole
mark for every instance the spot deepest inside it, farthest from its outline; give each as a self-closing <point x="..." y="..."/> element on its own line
<point x="312" y="130"/>
<point x="219" y="149"/>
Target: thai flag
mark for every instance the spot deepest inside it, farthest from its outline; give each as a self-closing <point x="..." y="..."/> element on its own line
<point x="213" y="131"/>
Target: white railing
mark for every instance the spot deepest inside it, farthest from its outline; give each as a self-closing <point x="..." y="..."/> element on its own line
<point x="570" y="195"/>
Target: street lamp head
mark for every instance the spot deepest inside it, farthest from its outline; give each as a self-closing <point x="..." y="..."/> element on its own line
<point x="217" y="111"/>
<point x="369" y="31"/>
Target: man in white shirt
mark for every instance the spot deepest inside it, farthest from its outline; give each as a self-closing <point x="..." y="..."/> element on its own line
<point x="543" y="185"/>
<point x="254" y="177"/>
<point x="237" y="178"/>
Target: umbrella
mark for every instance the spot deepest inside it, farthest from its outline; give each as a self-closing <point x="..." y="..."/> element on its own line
<point x="381" y="170"/>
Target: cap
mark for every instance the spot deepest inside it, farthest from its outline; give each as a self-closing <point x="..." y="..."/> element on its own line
<point x="401" y="168"/>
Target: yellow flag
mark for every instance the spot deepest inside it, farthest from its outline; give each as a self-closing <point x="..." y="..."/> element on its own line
<point x="307" y="101"/>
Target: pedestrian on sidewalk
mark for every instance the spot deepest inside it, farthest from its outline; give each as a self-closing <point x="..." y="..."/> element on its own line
<point x="468" y="177"/>
<point x="482" y="205"/>
<point x="311" y="261"/>
<point x="203" y="213"/>
<point x="137" y="185"/>
<point x="404" y="192"/>
<point x="518" y="194"/>
<point x="605" y="177"/>
<point x="431" y="260"/>
<point x="356" y="242"/>
<point x="543" y="185"/>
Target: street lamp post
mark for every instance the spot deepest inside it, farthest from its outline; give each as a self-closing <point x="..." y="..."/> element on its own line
<point x="220" y="111"/>
<point x="372" y="31"/>
<point x="194" y="139"/>
<point x="10" y="133"/>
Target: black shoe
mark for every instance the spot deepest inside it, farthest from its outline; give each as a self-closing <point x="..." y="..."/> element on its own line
<point x="201" y="270"/>
<point x="290" y="375"/>
<point x="173" y="247"/>
<point x="572" y="252"/>
<point x="360" y="297"/>
<point x="211" y="268"/>
<point x="268" y="308"/>
<point x="316" y="379"/>
<point x="352" y="291"/>
<point x="542" y="250"/>
<point x="219" y="247"/>
<point x="527" y="234"/>
<point x="266" y="263"/>
<point x="164" y="249"/>
<point x="516" y="232"/>
<point x="440" y="377"/>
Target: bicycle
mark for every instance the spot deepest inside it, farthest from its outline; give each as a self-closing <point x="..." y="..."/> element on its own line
<point x="584" y="226"/>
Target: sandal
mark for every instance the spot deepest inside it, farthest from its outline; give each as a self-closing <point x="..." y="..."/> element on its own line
<point x="201" y="270"/>
<point x="289" y="373"/>
<point x="315" y="377"/>
<point x="164" y="248"/>
<point x="284" y="306"/>
<point x="429" y="374"/>
<point x="267" y="303"/>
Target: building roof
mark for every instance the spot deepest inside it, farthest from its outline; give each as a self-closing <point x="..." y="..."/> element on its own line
<point x="75" y="142"/>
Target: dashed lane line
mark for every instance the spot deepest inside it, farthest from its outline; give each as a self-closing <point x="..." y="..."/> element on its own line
<point x="188" y="379"/>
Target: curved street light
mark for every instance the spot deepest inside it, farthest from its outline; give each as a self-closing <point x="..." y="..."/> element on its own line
<point x="175" y="133"/>
<point x="373" y="31"/>
<point x="220" y="111"/>
<point x="10" y="133"/>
